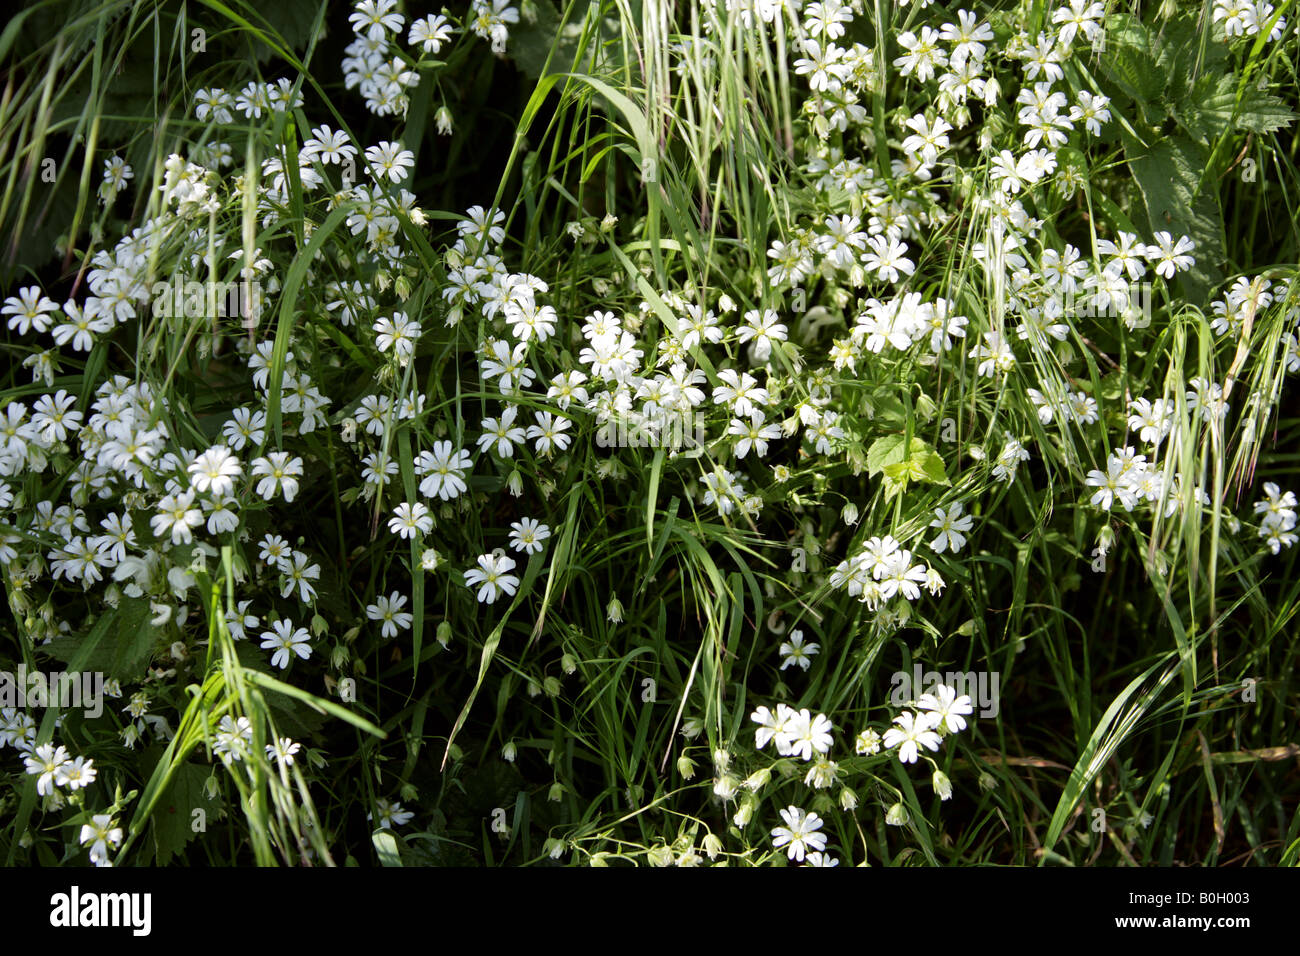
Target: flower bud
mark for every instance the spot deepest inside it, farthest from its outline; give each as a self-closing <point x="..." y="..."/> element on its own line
<point x="686" y="767"/>
<point x="442" y="119"/>
<point x="712" y="846"/>
<point x="744" y="813"/>
<point x="726" y="786"/>
<point x="660" y="856"/>
<point x="942" y="785"/>
<point x="897" y="815"/>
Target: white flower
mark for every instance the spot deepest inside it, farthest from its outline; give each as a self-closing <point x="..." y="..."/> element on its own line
<point x="283" y="750"/>
<point x="795" y="651"/>
<point x="30" y="309"/>
<point x="76" y="773"/>
<point x="279" y="473"/>
<point x="398" y="333"/>
<point x="390" y="161"/>
<point x="101" y="834"/>
<point x="799" y="835"/>
<point x="176" y="516"/>
<point x="443" y="470"/>
<point x="763" y="329"/>
<point x="233" y="738"/>
<point x="550" y="432"/>
<point x="527" y="536"/>
<point x="946" y="708"/>
<point x="806" y="735"/>
<point x="46" y="761"/>
<point x="430" y="33"/>
<point x="375" y="18"/>
<point x="389" y="610"/>
<point x="298" y="572"/>
<point x="286" y="641"/>
<point x="503" y="433"/>
<point x="951" y="524"/>
<point x="492" y="575"/>
<point x="913" y="731"/>
<point x="410" y="519"/>
<point x="390" y="814"/>
<point x="215" y="471"/>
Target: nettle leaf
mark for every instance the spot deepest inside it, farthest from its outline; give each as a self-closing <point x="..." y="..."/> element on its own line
<point x="531" y="41"/>
<point x="292" y="21"/>
<point x="1213" y="109"/>
<point x="174" y="819"/>
<point x="1131" y="63"/>
<point x="1169" y="175"/>
<point x="931" y="467"/>
<point x="1187" y="57"/>
<point x="124" y="653"/>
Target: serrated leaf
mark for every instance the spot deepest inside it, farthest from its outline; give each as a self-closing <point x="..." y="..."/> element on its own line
<point x="1131" y="63"/>
<point x="1213" y="110"/>
<point x="173" y="817"/>
<point x="124" y="653"/>
<point x="1262" y="112"/>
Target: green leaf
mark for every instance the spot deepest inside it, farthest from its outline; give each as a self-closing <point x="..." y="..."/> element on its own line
<point x="920" y="463"/>
<point x="1169" y="175"/>
<point x="883" y="452"/>
<point x="1213" y="109"/>
<point x="173" y="817"/>
<point x="123" y="653"/>
<point x="530" y="44"/>
<point x="386" y="847"/>
<point x="1130" y="62"/>
<point x="930" y="466"/>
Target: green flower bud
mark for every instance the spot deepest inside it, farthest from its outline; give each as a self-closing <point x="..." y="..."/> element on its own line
<point x="942" y="785"/>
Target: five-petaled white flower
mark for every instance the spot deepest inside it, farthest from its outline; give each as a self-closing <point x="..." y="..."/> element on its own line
<point x="492" y="577"/>
<point x="389" y="611"/>
<point x="799" y="835"/>
<point x="286" y="641"/>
